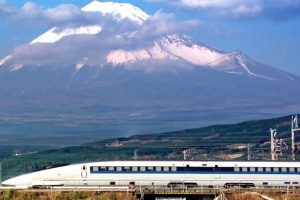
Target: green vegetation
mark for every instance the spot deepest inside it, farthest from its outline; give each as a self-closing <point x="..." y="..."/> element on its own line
<point x="208" y="143"/>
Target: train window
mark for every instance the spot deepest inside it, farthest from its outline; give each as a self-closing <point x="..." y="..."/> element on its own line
<point x="142" y="169"/>
<point x="180" y="169"/>
<point x="166" y="169"/>
<point x="287" y="182"/>
<point x="260" y="169"/>
<point x="173" y="169"/>
<point x="119" y="169"/>
<point x="295" y="183"/>
<point x="291" y="169"/>
<point x="244" y="169"/>
<point x="268" y="169"/>
<point x="126" y="169"/>
<point x="275" y="169"/>
<point x="131" y="183"/>
<point x="226" y="169"/>
<point x="94" y="169"/>
<point x="216" y="168"/>
<point x="112" y="183"/>
<point x="111" y="169"/>
<point x="102" y="168"/>
<point x="158" y="169"/>
<point x="252" y="169"/>
<point x="283" y="169"/>
<point x="150" y="169"/>
<point x="187" y="168"/>
<point x="236" y="169"/>
<point x="134" y="169"/>
<point x="204" y="165"/>
<point x="265" y="183"/>
<point x="298" y="169"/>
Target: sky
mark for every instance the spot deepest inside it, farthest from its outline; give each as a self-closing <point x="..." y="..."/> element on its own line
<point x="266" y="30"/>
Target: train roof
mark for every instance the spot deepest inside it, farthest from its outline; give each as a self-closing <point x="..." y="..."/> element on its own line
<point x="196" y="163"/>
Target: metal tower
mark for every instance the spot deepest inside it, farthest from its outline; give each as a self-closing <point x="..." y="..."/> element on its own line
<point x="276" y="145"/>
<point x="294" y="129"/>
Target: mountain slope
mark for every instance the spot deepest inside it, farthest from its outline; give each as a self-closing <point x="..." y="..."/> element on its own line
<point x="108" y="70"/>
<point x="182" y="47"/>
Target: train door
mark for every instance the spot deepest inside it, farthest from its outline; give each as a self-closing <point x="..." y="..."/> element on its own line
<point x="84" y="171"/>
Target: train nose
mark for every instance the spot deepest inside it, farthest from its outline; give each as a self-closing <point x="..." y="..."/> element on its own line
<point x="9" y="182"/>
<point x="16" y="182"/>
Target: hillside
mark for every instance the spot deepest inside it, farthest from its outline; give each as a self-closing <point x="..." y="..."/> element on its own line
<point x="218" y="142"/>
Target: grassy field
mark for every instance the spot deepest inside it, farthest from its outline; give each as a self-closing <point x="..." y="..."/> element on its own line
<point x="76" y="195"/>
<point x="89" y="195"/>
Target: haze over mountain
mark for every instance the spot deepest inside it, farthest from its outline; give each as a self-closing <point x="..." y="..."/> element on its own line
<point x="124" y="65"/>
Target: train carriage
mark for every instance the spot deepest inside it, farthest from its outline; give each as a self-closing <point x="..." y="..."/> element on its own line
<point x="165" y="173"/>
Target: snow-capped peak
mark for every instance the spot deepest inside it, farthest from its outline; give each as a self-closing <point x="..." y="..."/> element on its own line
<point x="182" y="47"/>
<point x="170" y="46"/>
<point x="178" y="39"/>
<point x="118" y="10"/>
<point x="54" y="35"/>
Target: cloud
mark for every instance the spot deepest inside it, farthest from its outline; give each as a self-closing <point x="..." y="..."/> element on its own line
<point x="5" y="9"/>
<point x="161" y="24"/>
<point x="32" y="13"/>
<point x="242" y="9"/>
<point x="63" y="12"/>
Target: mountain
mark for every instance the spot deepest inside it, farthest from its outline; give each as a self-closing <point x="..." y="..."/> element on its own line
<point x="111" y="69"/>
<point x="182" y="47"/>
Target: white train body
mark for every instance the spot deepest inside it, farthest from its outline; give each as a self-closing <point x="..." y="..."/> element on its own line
<point x="164" y="173"/>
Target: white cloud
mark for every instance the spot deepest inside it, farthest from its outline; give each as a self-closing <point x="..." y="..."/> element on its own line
<point x="63" y="12"/>
<point x="231" y="8"/>
<point x="32" y="11"/>
<point x="209" y="3"/>
<point x="162" y="24"/>
<point x="266" y="9"/>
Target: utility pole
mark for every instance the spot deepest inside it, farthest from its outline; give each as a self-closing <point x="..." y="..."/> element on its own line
<point x="249" y="152"/>
<point x="135" y="154"/>
<point x="276" y="145"/>
<point x="184" y="154"/>
<point x="294" y="129"/>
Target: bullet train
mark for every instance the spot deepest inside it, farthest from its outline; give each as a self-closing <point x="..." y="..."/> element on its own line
<point x="164" y="173"/>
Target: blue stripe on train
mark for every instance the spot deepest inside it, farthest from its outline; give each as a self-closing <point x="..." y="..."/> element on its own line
<point x="170" y="172"/>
